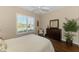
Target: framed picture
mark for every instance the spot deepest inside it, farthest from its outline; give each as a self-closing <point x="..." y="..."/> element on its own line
<point x="54" y="23"/>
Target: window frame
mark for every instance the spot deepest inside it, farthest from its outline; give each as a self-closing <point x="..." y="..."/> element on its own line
<point x="25" y="32"/>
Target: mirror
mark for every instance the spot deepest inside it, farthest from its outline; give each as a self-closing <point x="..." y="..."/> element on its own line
<point x="54" y="23"/>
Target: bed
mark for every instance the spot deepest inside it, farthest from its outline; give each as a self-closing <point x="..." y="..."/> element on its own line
<point x="29" y="43"/>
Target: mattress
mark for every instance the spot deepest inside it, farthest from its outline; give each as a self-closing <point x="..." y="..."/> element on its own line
<point x="29" y="43"/>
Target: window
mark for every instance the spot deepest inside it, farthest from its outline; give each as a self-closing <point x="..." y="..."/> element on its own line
<point x="25" y="24"/>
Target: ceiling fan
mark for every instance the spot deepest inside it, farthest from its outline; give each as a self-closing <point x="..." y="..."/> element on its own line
<point x="40" y="9"/>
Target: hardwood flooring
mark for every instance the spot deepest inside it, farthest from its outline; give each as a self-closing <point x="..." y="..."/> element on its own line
<point x="62" y="46"/>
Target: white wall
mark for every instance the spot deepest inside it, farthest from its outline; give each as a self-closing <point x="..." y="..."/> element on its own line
<point x="69" y="12"/>
<point x="8" y="20"/>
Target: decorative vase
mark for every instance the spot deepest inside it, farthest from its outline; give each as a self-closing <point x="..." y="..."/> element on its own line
<point x="69" y="42"/>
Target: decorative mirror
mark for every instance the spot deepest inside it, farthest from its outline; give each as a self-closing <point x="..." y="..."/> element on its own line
<point x="54" y="23"/>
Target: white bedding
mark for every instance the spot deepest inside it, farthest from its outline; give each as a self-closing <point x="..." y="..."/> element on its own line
<point x="29" y="43"/>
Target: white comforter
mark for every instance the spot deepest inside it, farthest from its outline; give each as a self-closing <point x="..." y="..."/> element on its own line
<point x="29" y="43"/>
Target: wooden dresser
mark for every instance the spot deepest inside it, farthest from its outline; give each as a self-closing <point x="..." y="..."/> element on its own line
<point x="54" y="33"/>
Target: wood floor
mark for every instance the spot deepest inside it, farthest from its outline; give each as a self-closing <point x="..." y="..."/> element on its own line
<point x="62" y="47"/>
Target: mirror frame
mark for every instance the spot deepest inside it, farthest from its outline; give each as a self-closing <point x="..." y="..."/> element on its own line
<point x="54" y="21"/>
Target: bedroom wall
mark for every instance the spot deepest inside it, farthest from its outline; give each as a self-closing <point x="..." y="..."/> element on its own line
<point x="8" y="20"/>
<point x="69" y="12"/>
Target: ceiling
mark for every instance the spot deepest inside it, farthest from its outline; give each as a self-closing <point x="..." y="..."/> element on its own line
<point x="40" y="9"/>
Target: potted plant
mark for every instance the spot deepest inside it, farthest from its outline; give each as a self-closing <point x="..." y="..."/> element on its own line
<point x="69" y="38"/>
<point x="70" y="26"/>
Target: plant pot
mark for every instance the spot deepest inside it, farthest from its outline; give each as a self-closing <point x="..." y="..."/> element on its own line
<point x="69" y="42"/>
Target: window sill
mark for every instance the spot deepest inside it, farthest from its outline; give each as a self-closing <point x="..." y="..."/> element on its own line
<point x="24" y="33"/>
